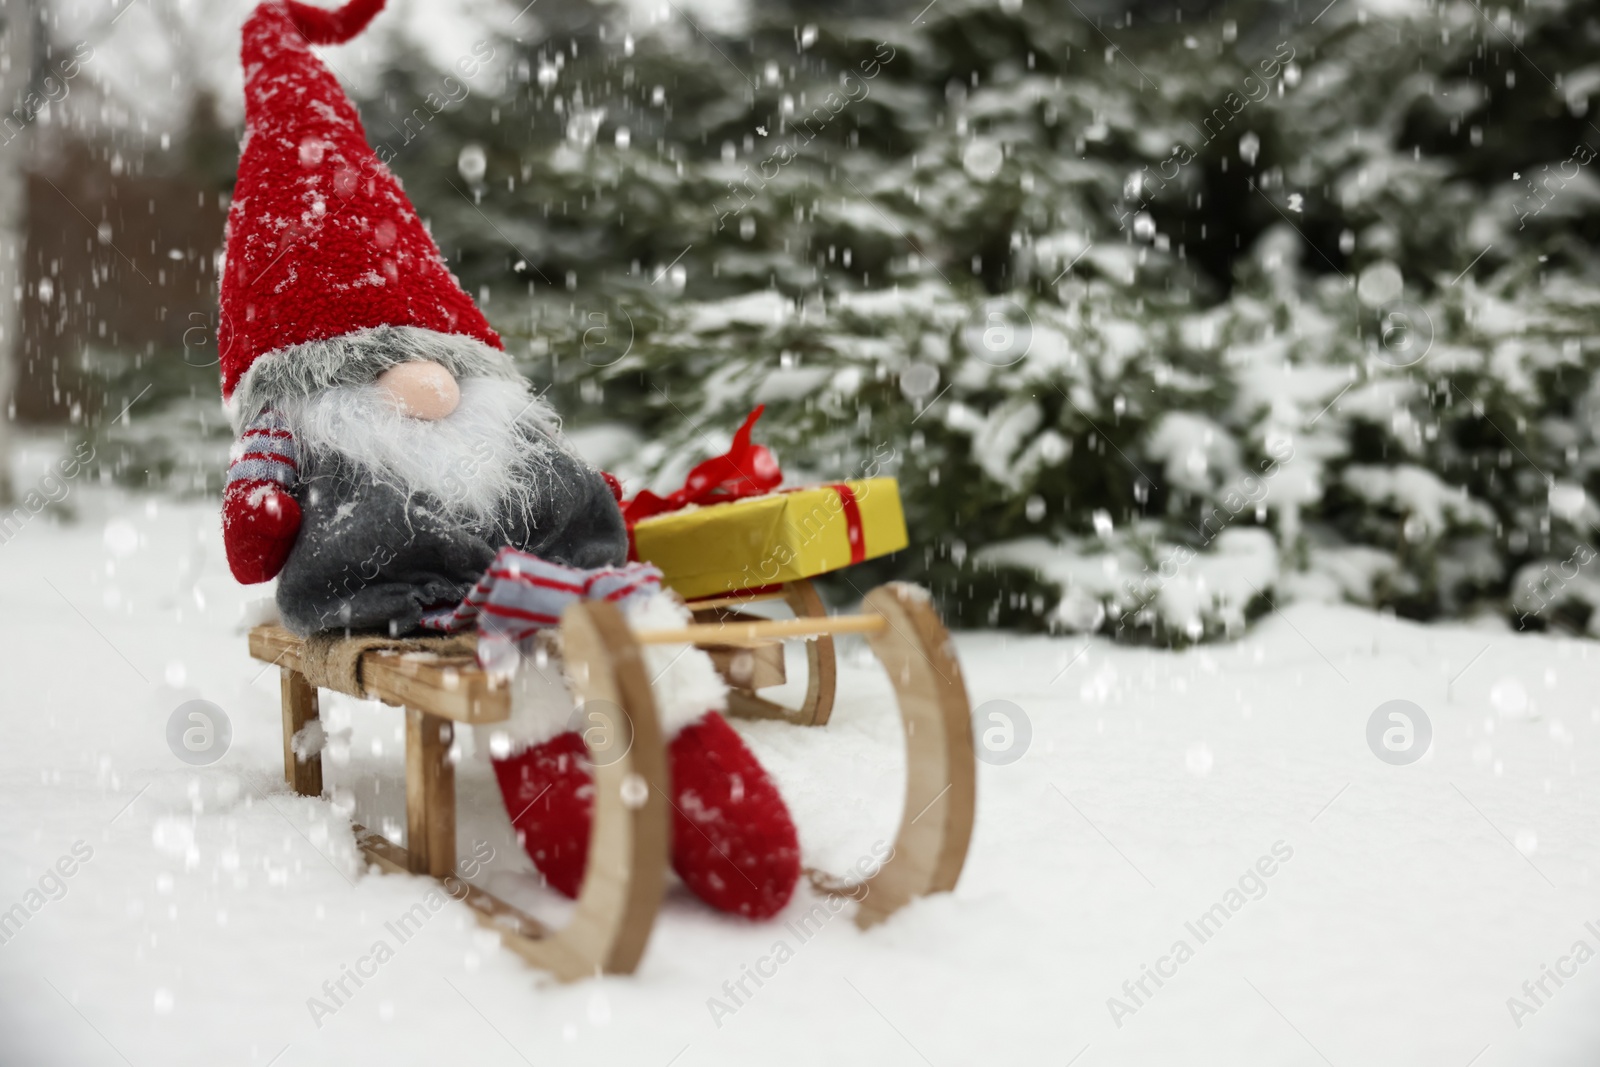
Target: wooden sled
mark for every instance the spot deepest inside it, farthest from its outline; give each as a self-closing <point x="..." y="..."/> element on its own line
<point x="628" y="848"/>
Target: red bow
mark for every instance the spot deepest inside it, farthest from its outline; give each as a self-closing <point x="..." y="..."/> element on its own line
<point x="744" y="470"/>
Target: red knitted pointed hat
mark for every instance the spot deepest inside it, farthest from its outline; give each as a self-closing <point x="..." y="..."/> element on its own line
<point x="328" y="269"/>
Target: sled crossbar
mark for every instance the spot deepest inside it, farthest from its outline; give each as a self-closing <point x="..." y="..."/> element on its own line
<point x="762" y="631"/>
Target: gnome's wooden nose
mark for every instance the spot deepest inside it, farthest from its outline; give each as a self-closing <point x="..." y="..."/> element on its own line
<point x="421" y="389"/>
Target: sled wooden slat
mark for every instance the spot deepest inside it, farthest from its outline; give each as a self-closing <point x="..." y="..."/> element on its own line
<point x="300" y="708"/>
<point x="724" y="616"/>
<point x="755" y="633"/>
<point x="451" y="687"/>
<point x="735" y="599"/>
<point x="276" y="645"/>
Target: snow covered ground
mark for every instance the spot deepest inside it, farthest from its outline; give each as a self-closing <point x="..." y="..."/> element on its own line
<point x="1405" y="904"/>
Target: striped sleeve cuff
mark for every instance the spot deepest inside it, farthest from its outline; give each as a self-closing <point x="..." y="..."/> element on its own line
<point x="266" y="451"/>
<point x="521" y="593"/>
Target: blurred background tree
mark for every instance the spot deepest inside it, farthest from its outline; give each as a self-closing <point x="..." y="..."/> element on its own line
<point x="1164" y="311"/>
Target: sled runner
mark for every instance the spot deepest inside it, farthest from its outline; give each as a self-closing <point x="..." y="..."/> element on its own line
<point x="438" y="684"/>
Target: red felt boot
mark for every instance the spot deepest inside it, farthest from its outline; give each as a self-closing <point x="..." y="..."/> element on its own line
<point x="733" y="843"/>
<point x="549" y="794"/>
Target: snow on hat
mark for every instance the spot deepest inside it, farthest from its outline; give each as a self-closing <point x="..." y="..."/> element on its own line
<point x="329" y="275"/>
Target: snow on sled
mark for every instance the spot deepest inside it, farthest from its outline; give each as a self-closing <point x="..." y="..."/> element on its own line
<point x="438" y="683"/>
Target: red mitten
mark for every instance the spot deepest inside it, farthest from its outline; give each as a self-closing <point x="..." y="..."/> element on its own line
<point x="733" y="843"/>
<point x="259" y="525"/>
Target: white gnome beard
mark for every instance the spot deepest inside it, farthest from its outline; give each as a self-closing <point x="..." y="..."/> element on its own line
<point x="488" y="455"/>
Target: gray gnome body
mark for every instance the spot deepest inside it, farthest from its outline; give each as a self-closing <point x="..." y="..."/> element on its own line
<point x="371" y="558"/>
<point x="412" y="457"/>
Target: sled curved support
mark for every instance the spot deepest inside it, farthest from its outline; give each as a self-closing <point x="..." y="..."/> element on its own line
<point x="821" y="657"/>
<point x="625" y="876"/>
<point x="930" y="847"/>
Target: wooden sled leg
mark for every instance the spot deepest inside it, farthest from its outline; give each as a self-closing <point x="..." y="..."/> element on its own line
<point x="821" y="667"/>
<point x="941" y="769"/>
<point x="430" y="794"/>
<point x="300" y="708"/>
<point x="627" y="865"/>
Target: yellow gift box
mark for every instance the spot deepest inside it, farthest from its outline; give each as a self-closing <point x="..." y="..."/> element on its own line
<point x="779" y="537"/>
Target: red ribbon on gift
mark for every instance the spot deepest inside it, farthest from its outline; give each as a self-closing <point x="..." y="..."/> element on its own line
<point x="745" y="469"/>
<point x="852" y="521"/>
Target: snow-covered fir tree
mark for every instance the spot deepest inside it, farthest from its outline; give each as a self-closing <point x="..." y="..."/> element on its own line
<point x="1163" y="317"/>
